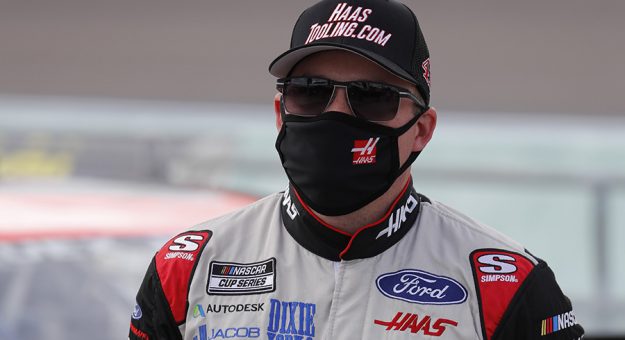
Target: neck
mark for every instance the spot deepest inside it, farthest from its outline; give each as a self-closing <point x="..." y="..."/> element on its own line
<point x="371" y="212"/>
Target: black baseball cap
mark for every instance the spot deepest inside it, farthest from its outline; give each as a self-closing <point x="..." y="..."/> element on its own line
<point x="384" y="31"/>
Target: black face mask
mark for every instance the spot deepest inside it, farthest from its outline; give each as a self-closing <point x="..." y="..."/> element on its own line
<point x="338" y="163"/>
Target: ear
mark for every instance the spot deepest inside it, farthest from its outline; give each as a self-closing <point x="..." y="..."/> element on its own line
<point x="277" y="109"/>
<point x="425" y="129"/>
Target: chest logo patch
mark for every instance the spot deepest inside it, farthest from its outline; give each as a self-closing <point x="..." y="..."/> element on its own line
<point x="417" y="286"/>
<point x="413" y="323"/>
<point x="137" y="313"/>
<point x="229" y="278"/>
<point x="291" y="320"/>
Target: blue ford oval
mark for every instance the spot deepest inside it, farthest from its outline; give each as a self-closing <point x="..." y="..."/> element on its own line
<point x="417" y="286"/>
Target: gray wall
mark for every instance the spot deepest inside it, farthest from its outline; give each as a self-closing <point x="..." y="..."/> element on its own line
<point x="528" y="56"/>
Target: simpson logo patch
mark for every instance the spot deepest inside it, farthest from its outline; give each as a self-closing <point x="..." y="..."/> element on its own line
<point x="176" y="261"/>
<point x="229" y="278"/>
<point x="498" y="275"/>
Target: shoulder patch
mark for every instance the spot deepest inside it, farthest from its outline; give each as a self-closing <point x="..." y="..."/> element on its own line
<point x="175" y="264"/>
<point x="498" y="275"/>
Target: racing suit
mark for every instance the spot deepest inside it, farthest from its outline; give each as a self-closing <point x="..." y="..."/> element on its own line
<point x="273" y="270"/>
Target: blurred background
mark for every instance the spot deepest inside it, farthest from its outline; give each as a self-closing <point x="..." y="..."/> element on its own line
<point x="124" y="122"/>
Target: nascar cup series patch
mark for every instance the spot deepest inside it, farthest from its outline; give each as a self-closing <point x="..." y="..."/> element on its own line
<point x="229" y="278"/>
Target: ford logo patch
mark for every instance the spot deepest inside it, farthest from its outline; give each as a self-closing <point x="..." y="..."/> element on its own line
<point x="421" y="287"/>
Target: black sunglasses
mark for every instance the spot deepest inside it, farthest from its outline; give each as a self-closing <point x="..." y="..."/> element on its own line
<point x="305" y="96"/>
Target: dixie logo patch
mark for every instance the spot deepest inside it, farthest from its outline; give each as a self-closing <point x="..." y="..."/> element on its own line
<point x="291" y="320"/>
<point x="229" y="278"/>
<point x="417" y="286"/>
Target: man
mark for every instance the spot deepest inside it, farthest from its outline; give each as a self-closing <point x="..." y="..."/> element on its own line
<point x="350" y="250"/>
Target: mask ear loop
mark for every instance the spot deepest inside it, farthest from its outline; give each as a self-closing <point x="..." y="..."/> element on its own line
<point x="282" y="108"/>
<point x="402" y="129"/>
<point x="413" y="156"/>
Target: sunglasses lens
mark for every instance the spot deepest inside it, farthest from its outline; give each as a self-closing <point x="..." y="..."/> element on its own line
<point x="371" y="101"/>
<point x="310" y="96"/>
<point x="306" y="96"/>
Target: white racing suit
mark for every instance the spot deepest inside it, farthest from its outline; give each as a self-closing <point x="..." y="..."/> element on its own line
<point x="274" y="271"/>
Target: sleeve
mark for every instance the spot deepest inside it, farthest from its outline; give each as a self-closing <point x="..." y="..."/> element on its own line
<point x="162" y="300"/>
<point x="540" y="311"/>
<point x="152" y="318"/>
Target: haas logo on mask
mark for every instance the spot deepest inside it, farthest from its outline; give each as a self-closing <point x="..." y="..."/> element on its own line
<point x="364" y="151"/>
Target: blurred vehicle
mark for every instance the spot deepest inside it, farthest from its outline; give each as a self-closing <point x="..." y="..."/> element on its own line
<point x="73" y="253"/>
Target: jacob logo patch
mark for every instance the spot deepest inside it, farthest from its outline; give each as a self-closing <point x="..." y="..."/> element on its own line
<point x="229" y="278"/>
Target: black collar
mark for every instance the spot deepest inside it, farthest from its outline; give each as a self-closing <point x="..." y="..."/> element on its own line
<point x="370" y="240"/>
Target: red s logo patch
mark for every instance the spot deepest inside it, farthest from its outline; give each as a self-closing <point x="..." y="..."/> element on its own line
<point x="496" y="264"/>
<point x="186" y="243"/>
<point x="498" y="275"/>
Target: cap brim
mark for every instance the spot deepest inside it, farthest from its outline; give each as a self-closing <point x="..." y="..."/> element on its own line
<point x="284" y="63"/>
